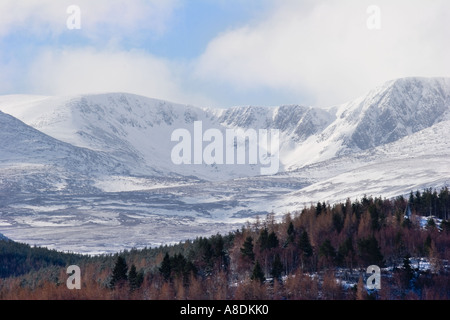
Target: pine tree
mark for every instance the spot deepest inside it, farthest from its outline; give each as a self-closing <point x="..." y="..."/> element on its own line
<point x="257" y="273"/>
<point x="277" y="268"/>
<point x="135" y="279"/>
<point x="119" y="274"/>
<point x="338" y="222"/>
<point x="327" y="251"/>
<point x="319" y="208"/>
<point x="427" y="245"/>
<point x="272" y="241"/>
<point x="430" y="224"/>
<point x="247" y="248"/>
<point x="305" y="247"/>
<point x="263" y="239"/>
<point x="346" y="253"/>
<point x="407" y="272"/>
<point x="290" y="233"/>
<point x="369" y="252"/>
<point x="166" y="268"/>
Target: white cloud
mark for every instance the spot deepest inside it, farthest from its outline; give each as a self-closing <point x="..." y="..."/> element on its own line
<point x="98" y="17"/>
<point x="89" y="70"/>
<point x="318" y="51"/>
<point x="326" y="49"/>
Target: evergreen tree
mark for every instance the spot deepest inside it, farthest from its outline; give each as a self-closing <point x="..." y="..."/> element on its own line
<point x="166" y="267"/>
<point x="407" y="223"/>
<point x="338" y="222"/>
<point x="427" y="245"/>
<point x="305" y="245"/>
<point x="203" y="255"/>
<point x="430" y="224"/>
<point x="247" y="248"/>
<point x="257" y="273"/>
<point x="290" y="233"/>
<point x="326" y="250"/>
<point x="374" y="217"/>
<point x="445" y="226"/>
<point x="319" y="208"/>
<point x="346" y="252"/>
<point x="135" y="279"/>
<point x="277" y="268"/>
<point x="272" y="241"/>
<point x="263" y="239"/>
<point x="369" y="252"/>
<point x="219" y="252"/>
<point x="407" y="272"/>
<point x="119" y="274"/>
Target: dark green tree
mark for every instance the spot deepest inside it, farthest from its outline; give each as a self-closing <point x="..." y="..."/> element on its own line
<point x="277" y="268"/>
<point x="257" y="273"/>
<point x="407" y="223"/>
<point x="263" y="239"/>
<point x="346" y="253"/>
<point x="135" y="279"/>
<point x="319" y="208"/>
<point x="369" y="252"/>
<point x="430" y="224"/>
<point x="291" y="233"/>
<point x="305" y="248"/>
<point x="203" y="255"/>
<point x="247" y="248"/>
<point x="305" y="245"/>
<point x="166" y="267"/>
<point x="327" y="251"/>
<point x="445" y="226"/>
<point x="219" y="251"/>
<point x="374" y="217"/>
<point x="407" y="272"/>
<point x="338" y="222"/>
<point x="272" y="241"/>
<point x="119" y="274"/>
<point x="427" y="245"/>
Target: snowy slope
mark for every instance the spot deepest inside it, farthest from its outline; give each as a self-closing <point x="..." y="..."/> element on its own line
<point x="131" y="129"/>
<point x="386" y="114"/>
<point x="418" y="161"/>
<point x="20" y="143"/>
<point x="30" y="160"/>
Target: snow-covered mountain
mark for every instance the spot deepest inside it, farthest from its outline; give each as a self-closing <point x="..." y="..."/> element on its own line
<point x="32" y="160"/>
<point x="133" y="130"/>
<point x="136" y="131"/>
<point x="91" y="164"/>
<point x="386" y="114"/>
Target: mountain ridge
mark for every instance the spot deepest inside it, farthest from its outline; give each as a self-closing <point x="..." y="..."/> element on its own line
<point x="121" y="124"/>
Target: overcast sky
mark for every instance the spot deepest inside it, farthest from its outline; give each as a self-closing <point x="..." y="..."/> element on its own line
<point x="221" y="52"/>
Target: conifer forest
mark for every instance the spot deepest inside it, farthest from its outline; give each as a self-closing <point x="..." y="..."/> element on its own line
<point x="320" y="252"/>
